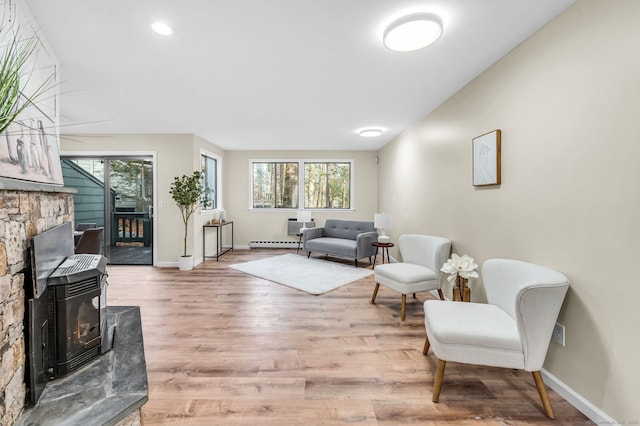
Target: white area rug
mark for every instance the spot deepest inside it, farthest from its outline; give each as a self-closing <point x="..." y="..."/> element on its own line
<point x="311" y="275"/>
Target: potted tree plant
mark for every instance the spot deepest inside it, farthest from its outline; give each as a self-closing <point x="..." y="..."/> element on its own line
<point x="186" y="192"/>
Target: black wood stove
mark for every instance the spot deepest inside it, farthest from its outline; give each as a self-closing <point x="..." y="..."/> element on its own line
<point x="67" y="322"/>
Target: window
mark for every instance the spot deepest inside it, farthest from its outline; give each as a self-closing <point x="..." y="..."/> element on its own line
<point x="327" y="184"/>
<point x="209" y="167"/>
<point x="275" y="185"/>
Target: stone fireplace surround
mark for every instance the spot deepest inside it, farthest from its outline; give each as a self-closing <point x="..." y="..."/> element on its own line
<point x="27" y="209"/>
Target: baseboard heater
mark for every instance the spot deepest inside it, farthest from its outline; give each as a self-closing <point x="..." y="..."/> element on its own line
<point x="273" y="244"/>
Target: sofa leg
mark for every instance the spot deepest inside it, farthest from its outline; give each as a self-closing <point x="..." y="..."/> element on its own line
<point x="375" y="293"/>
<point x="403" y="307"/>
<point x="308" y="254"/>
<point x="356" y="262"/>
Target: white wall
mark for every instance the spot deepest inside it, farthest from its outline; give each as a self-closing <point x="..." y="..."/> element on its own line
<point x="176" y="154"/>
<point x="271" y="225"/>
<point x="568" y="104"/>
<point x="180" y="154"/>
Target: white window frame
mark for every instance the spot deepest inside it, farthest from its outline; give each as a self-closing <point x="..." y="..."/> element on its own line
<point x="301" y="162"/>
<point x="218" y="158"/>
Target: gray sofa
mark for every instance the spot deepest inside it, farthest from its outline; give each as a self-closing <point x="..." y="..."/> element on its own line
<point x="349" y="239"/>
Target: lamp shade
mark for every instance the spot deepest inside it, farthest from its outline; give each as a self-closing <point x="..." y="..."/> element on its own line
<point x="303" y="216"/>
<point x="382" y="220"/>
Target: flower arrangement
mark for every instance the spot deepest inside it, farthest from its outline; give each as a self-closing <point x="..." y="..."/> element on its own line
<point x="460" y="268"/>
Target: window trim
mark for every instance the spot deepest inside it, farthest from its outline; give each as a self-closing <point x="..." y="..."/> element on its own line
<point x="218" y="158"/>
<point x="301" y="162"/>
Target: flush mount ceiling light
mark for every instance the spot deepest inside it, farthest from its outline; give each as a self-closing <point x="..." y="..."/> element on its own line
<point x="370" y="133"/>
<point x="413" y="32"/>
<point x="163" y="28"/>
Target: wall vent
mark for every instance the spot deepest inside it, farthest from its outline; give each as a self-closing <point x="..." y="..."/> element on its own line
<point x="273" y="244"/>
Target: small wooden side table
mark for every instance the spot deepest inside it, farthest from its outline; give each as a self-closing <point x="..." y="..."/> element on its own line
<point x="385" y="247"/>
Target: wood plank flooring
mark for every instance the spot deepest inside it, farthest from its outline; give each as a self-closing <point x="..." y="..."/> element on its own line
<point x="226" y="348"/>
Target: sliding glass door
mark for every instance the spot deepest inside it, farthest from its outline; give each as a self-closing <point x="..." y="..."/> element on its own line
<point x="115" y="193"/>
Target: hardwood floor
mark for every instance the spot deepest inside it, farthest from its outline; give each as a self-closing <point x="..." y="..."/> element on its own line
<point x="226" y="348"/>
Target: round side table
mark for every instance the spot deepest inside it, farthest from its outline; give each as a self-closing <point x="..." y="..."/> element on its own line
<point x="384" y="247"/>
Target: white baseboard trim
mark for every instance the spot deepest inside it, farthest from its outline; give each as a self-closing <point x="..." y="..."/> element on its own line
<point x="578" y="401"/>
<point x="196" y="262"/>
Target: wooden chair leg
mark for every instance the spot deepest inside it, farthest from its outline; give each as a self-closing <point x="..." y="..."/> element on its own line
<point x="437" y="383"/>
<point x="542" y="391"/>
<point x="403" y="307"/>
<point x="427" y="345"/>
<point x="414" y="295"/>
<point x="440" y="294"/>
<point x="375" y="293"/>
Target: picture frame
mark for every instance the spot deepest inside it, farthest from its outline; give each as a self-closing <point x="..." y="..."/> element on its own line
<point x="486" y="159"/>
<point x="30" y="145"/>
<point x="28" y="151"/>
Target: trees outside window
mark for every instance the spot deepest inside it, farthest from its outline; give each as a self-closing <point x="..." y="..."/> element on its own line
<point x="275" y="185"/>
<point x="327" y="184"/>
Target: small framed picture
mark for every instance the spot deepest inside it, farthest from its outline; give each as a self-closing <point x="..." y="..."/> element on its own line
<point x="486" y="159"/>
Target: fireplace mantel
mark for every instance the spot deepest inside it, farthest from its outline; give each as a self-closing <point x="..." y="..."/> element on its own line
<point x="26" y="186"/>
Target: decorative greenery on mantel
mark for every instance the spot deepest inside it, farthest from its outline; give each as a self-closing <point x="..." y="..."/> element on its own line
<point x="17" y="61"/>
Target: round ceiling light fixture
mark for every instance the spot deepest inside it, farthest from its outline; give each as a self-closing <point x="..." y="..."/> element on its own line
<point x="413" y="32"/>
<point x="370" y="133"/>
<point x="163" y="28"/>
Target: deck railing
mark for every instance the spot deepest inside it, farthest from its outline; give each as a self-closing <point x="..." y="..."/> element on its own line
<point x="130" y="227"/>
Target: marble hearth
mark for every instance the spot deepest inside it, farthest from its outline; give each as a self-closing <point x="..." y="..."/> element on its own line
<point x="108" y="391"/>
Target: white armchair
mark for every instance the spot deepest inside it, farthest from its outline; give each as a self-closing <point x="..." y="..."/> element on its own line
<point x="422" y="258"/>
<point x="512" y="330"/>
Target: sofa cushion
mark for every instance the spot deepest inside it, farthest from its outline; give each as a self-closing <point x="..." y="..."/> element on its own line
<point x="336" y="246"/>
<point x="346" y="229"/>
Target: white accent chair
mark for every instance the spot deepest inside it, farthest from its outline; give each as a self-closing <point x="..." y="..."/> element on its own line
<point x="512" y="330"/>
<point x="422" y="258"/>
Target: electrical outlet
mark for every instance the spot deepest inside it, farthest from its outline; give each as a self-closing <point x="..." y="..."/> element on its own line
<point x="558" y="334"/>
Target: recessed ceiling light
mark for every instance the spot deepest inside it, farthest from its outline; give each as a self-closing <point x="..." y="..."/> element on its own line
<point x="370" y="133"/>
<point x="163" y="28"/>
<point x="413" y="32"/>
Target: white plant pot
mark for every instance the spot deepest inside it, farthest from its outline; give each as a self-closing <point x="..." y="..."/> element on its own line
<point x="185" y="263"/>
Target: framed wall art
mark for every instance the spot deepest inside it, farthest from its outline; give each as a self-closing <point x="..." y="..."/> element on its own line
<point x="29" y="152"/>
<point x="486" y="159"/>
<point x="29" y="146"/>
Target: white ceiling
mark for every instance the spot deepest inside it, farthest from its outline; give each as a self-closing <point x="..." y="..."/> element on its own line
<point x="277" y="74"/>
